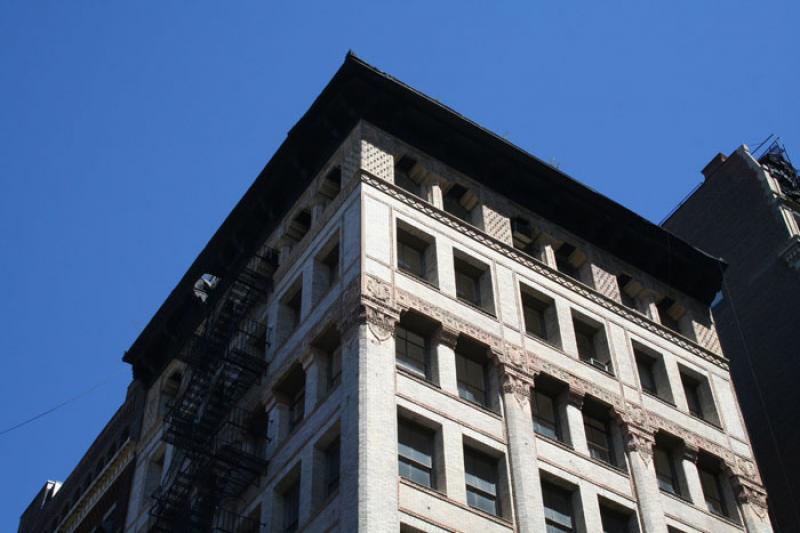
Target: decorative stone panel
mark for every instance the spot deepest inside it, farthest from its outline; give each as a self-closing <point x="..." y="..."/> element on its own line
<point x="497" y="225"/>
<point x="377" y="161"/>
<point x="605" y="283"/>
<point x="706" y="337"/>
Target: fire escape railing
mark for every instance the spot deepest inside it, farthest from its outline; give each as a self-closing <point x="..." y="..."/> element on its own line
<point x="219" y="447"/>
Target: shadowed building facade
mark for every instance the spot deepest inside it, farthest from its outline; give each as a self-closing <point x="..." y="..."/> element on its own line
<point x="747" y="211"/>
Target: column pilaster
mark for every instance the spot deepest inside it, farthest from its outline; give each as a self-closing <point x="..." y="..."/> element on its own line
<point x="527" y="489"/>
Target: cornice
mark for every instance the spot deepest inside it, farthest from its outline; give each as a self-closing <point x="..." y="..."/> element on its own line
<point x="98" y="488"/>
<point x="542" y="269"/>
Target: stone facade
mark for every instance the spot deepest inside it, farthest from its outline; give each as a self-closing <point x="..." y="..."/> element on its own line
<point x="439" y="357"/>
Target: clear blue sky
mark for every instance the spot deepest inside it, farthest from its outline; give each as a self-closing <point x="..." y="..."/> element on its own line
<point x="129" y="130"/>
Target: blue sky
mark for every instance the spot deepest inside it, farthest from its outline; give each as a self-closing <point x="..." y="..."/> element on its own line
<point x="129" y="130"/>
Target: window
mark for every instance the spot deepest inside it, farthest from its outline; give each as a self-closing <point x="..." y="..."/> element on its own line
<point x="666" y="314"/>
<point x="415" y="452"/>
<point x="558" y="513"/>
<point x="539" y="314"/>
<point x="290" y="502"/>
<point x="292" y="390"/>
<point x="332" y="466"/>
<point x="625" y="284"/>
<point x="666" y="473"/>
<point x="411" y="351"/>
<point x="297" y="408"/>
<point x="472" y="372"/>
<point x="473" y="281"/>
<point x="289" y="312"/>
<point x="335" y="368"/>
<point x="698" y="396"/>
<point x="567" y="261"/>
<point x="460" y="201"/>
<point x="691" y="388"/>
<point x="598" y="437"/>
<point x="298" y="227"/>
<point x="416" y="253"/>
<point x="403" y="171"/>
<point x="709" y="469"/>
<point x="480" y="473"/>
<point x="328" y="268"/>
<point x="592" y="346"/>
<point x="545" y="415"/>
<point x="646" y="368"/>
<point x="616" y="520"/>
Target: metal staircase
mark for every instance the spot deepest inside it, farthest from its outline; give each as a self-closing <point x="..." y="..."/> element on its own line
<point x="219" y="447"/>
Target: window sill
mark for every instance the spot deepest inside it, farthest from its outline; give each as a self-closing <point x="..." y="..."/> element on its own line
<point x="730" y="521"/>
<point x="606" y="372"/>
<point x="546" y="342"/>
<point x="659" y="398"/>
<point x="417" y="377"/>
<point x="417" y="277"/>
<point x="706" y="422"/>
<point x="477" y="307"/>
<point x="443" y="496"/>
<point x="568" y="447"/>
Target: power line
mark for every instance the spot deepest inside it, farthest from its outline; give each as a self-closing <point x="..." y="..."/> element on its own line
<point x="60" y="405"/>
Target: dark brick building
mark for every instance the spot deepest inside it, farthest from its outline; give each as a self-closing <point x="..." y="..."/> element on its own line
<point x="94" y="498"/>
<point x="747" y="211"/>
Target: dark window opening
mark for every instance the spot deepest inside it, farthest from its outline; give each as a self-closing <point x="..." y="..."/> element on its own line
<point x="665" y="315"/>
<point x="591" y="344"/>
<point x="331" y="185"/>
<point x="558" y="511"/>
<point x="332" y="466"/>
<point x="416" y="253"/>
<point x="291" y="507"/>
<point x="459" y="201"/>
<point x="403" y="171"/>
<point x="546" y="418"/>
<point x="623" y="282"/>
<point x="480" y="473"/>
<point x="564" y="262"/>
<point x="415" y="453"/>
<point x="472" y="372"/>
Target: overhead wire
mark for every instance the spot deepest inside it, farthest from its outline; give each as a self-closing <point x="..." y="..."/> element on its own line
<point x="58" y="406"/>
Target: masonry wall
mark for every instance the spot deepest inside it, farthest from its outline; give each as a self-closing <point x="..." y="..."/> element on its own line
<point x="734" y="215"/>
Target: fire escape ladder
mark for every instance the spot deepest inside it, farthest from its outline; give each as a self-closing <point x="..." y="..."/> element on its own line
<point x="219" y="447"/>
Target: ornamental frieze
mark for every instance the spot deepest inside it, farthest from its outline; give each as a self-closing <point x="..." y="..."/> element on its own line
<point x="541" y="269"/>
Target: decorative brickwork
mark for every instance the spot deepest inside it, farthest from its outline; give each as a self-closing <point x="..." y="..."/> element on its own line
<point x="497" y="225"/>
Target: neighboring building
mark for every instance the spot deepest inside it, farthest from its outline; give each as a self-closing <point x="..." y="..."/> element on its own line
<point x="747" y="211"/>
<point x="94" y="498"/>
<point x="408" y="324"/>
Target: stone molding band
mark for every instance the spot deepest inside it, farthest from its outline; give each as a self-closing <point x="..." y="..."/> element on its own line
<point x="540" y="268"/>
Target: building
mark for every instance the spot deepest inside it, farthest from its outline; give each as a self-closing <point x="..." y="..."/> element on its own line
<point x="94" y="498"/>
<point x="747" y="210"/>
<point x="408" y="324"/>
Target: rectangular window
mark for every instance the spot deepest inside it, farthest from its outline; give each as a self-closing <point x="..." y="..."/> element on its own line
<point x="665" y="471"/>
<point x="331" y="264"/>
<point x="591" y="344"/>
<point x="297" y="408"/>
<point x="598" y="437"/>
<point x="712" y="491"/>
<point x="334" y="368"/>
<point x="558" y="513"/>
<point x="615" y="521"/>
<point x="536" y="309"/>
<point x="471" y="377"/>
<point x="468" y="287"/>
<point x="332" y="466"/>
<point x="416" y="253"/>
<point x="645" y="365"/>
<point x="691" y="389"/>
<point x="545" y="415"/>
<point x="473" y="281"/>
<point x="480" y="473"/>
<point x="415" y="453"/>
<point x="411" y="351"/>
<point x="291" y="507"/>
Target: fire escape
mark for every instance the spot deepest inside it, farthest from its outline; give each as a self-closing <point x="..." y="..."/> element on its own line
<point x="219" y="446"/>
